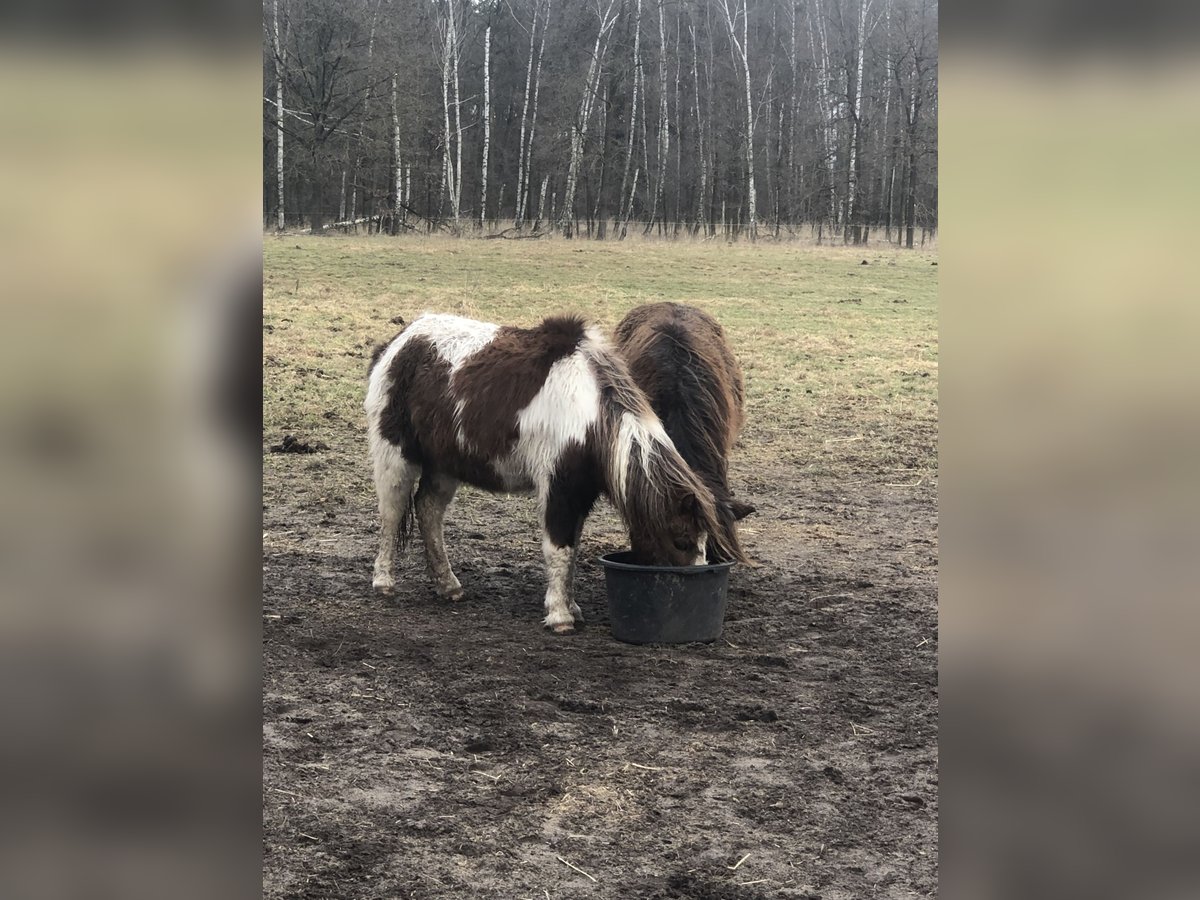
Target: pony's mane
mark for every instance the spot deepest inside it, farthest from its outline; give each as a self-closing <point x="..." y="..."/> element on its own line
<point x="643" y="469"/>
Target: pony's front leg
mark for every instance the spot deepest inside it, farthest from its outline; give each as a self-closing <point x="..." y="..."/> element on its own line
<point x="433" y="497"/>
<point x="565" y="512"/>
<point x="561" y="609"/>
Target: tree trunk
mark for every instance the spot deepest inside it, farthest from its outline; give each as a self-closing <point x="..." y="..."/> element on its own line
<point x="487" y="125"/>
<point x="742" y="52"/>
<point x="664" y="128"/>
<point x="580" y="127"/>
<point x="280" y="62"/>
<point x="819" y="45"/>
<point x="702" y="159"/>
<point x="521" y="163"/>
<point x="526" y="149"/>
<point x="853" y="227"/>
<point x="397" y="198"/>
<point x="451" y="163"/>
<point x="623" y="211"/>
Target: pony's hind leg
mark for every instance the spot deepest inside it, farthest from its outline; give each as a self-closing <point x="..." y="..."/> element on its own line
<point x="394" y="480"/>
<point x="433" y="497"/>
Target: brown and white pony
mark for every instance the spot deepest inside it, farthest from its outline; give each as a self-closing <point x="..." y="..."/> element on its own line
<point x="679" y="357"/>
<point x="550" y="410"/>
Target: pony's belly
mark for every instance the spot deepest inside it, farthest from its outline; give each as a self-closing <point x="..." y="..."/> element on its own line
<point x="513" y="476"/>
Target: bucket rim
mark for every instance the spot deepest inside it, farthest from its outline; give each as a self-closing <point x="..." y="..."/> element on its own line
<point x="610" y="561"/>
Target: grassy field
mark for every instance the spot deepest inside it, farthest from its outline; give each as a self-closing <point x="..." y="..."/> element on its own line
<point x="840" y="357"/>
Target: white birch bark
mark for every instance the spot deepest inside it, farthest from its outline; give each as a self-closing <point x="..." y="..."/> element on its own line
<point x="529" y="112"/>
<point x="398" y="201"/>
<point x="664" y="130"/>
<point x="487" y="125"/>
<point x="452" y="149"/>
<point x="820" y="52"/>
<point x="363" y="126"/>
<point x="623" y="211"/>
<point x="541" y="204"/>
<point x="537" y="86"/>
<point x="742" y="54"/>
<point x="521" y="173"/>
<point x="678" y="123"/>
<point x="456" y="199"/>
<point x="851" y="169"/>
<point x="280" y="63"/>
<point x="702" y="201"/>
<point x="579" y="128"/>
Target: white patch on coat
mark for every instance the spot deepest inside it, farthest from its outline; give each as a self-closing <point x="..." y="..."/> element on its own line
<point x="558" y="416"/>
<point x="702" y="550"/>
<point x="454" y="338"/>
<point x="558" y="588"/>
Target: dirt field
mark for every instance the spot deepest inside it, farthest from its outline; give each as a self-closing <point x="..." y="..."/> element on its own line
<point x="418" y="748"/>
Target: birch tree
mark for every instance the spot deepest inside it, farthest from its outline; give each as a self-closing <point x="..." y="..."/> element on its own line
<point x="664" y="130"/>
<point x="741" y="53"/>
<point x="579" y="129"/>
<point x="631" y="128"/>
<point x="452" y="143"/>
<point x="280" y="65"/>
<point x="487" y="125"/>
<point x="853" y="229"/>
<point x="397" y="195"/>
<point x="701" y="157"/>
<point x="533" y="79"/>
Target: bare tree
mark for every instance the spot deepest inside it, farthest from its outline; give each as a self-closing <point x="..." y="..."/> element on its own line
<point x="487" y="124"/>
<point x="631" y="128"/>
<point x="452" y="144"/>
<point x="280" y="65"/>
<point x="852" y="229"/>
<point x="701" y="156"/>
<point x="533" y="79"/>
<point x="608" y="18"/>
<point x="664" y="130"/>
<point x="741" y="52"/>
<point x="397" y="195"/>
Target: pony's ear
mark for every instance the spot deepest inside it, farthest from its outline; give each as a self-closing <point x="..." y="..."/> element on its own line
<point x="740" y="509"/>
<point x="690" y="506"/>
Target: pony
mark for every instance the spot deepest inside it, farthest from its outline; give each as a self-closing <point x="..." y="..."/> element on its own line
<point x="550" y="411"/>
<point x="680" y="359"/>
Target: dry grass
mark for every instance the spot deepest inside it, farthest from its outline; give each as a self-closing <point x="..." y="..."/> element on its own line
<point x="840" y="357"/>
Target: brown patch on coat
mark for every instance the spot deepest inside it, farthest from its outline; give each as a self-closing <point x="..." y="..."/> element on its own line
<point x="679" y="357"/>
<point x="499" y="381"/>
<point x="419" y="417"/>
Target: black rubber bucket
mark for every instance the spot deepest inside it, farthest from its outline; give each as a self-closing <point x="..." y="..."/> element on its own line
<point x="665" y="604"/>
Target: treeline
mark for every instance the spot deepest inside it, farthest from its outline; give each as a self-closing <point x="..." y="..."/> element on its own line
<point x="748" y="118"/>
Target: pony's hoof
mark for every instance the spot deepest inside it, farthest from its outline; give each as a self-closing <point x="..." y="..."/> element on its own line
<point x="383" y="585"/>
<point x="452" y="594"/>
<point x="563" y="628"/>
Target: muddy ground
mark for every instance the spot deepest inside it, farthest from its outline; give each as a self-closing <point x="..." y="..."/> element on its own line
<point x="420" y="748"/>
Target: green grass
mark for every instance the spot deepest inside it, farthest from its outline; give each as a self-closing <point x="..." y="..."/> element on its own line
<point x="840" y="358"/>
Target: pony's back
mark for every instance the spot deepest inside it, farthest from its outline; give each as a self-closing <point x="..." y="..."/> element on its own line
<point x="679" y="357"/>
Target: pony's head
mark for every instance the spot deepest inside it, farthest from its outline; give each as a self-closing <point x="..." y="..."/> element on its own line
<point x="672" y="515"/>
